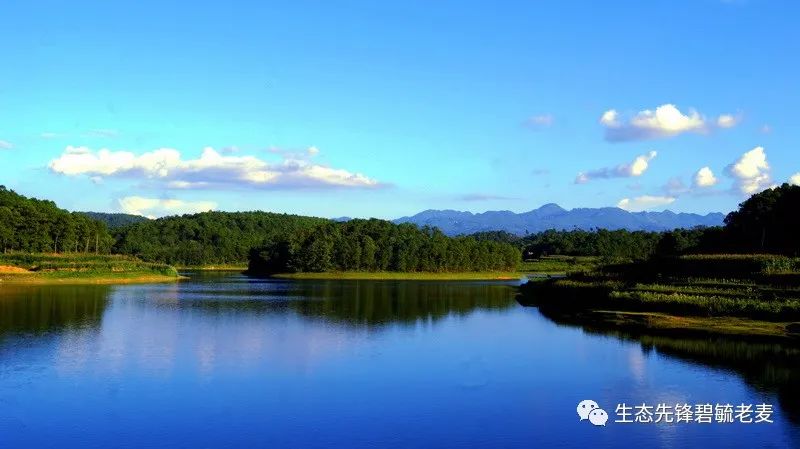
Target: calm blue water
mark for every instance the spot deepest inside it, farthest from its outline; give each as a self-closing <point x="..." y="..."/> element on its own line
<point x="224" y="361"/>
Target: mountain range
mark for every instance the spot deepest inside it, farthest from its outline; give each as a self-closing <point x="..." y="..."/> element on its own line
<point x="549" y="216"/>
<point x="553" y="216"/>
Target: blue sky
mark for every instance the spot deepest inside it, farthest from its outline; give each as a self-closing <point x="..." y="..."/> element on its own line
<point x="388" y="108"/>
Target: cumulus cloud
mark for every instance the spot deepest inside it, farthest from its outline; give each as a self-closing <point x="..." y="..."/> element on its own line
<point x="645" y="202"/>
<point x="795" y="179"/>
<point x="751" y="172"/>
<point x="610" y="119"/>
<point x="6" y="145"/>
<point x="705" y="178"/>
<point x="210" y="170"/>
<point x="540" y="121"/>
<point x="635" y="168"/>
<point x="665" y="121"/>
<point x="155" y="207"/>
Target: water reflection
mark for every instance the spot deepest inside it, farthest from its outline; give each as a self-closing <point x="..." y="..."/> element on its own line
<point x="40" y="309"/>
<point x="353" y="303"/>
<point x="224" y="320"/>
<point x="380" y="303"/>
<point x="274" y="363"/>
<point x="772" y="367"/>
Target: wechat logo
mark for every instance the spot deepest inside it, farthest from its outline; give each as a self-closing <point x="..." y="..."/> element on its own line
<point x="590" y="410"/>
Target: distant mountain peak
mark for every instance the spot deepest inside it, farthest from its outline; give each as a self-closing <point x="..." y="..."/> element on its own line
<point x="553" y="216"/>
<point x="551" y="208"/>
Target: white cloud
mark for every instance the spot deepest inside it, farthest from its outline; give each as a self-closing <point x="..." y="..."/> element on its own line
<point x="635" y="168"/>
<point x="751" y="171"/>
<point x="540" y="121"/>
<point x="728" y="120"/>
<point x="6" y="145"/>
<point x="665" y="121"/>
<point x="210" y="170"/>
<point x="705" y="178"/>
<point x="795" y="179"/>
<point x="610" y="119"/>
<point x="155" y="207"/>
<point x="644" y="202"/>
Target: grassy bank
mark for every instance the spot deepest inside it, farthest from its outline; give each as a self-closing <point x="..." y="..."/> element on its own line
<point x="21" y="268"/>
<point x="726" y="294"/>
<point x="559" y="265"/>
<point x="678" y="326"/>
<point x="220" y="267"/>
<point x="552" y="265"/>
<point x="411" y="276"/>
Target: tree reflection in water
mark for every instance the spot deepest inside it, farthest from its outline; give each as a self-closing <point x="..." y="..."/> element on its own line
<point x="766" y="366"/>
<point x="44" y="309"/>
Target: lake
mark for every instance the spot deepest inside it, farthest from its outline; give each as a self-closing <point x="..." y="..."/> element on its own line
<point x="222" y="360"/>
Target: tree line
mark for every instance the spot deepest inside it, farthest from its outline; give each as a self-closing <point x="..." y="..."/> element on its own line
<point x="32" y="225"/>
<point x="764" y="223"/>
<point x="379" y="245"/>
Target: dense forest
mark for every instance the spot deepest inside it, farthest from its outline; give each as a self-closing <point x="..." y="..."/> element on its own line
<point x="378" y="245"/>
<point x="208" y="238"/>
<point x="31" y="225"/>
<point x="115" y="220"/>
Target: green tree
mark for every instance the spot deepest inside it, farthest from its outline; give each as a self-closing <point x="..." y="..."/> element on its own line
<point x="767" y="221"/>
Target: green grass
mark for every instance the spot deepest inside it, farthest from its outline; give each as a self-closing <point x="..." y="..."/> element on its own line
<point x="559" y="265"/>
<point x="732" y="266"/>
<point x="763" y="302"/>
<point x="727" y="285"/>
<point x="43" y="268"/>
<point x="707" y="305"/>
<point x="391" y="275"/>
<point x="217" y="267"/>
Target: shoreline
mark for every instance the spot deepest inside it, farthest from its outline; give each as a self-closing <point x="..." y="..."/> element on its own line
<point x="100" y="280"/>
<point x="81" y="269"/>
<point x="221" y="268"/>
<point x="658" y="323"/>
<point x="403" y="276"/>
<point x="35" y="279"/>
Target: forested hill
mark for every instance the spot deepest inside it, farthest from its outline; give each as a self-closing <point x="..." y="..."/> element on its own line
<point x="115" y="220"/>
<point x="379" y="245"/>
<point x="208" y="238"/>
<point x="32" y="225"/>
<point x="290" y="242"/>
